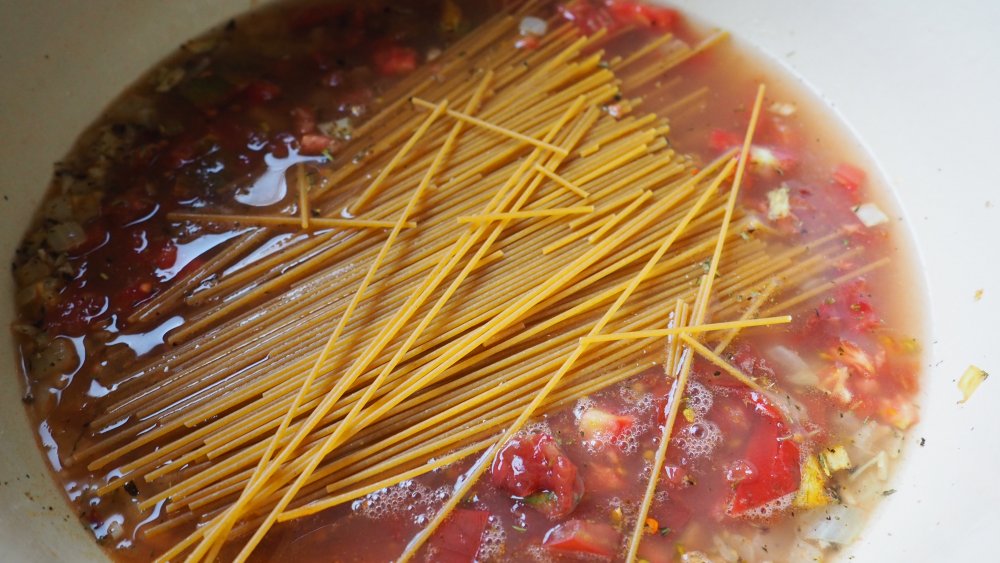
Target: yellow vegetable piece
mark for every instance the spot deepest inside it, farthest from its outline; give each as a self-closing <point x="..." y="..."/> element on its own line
<point x="812" y="489"/>
<point x="835" y="459"/>
<point x="451" y="15"/>
<point x="970" y="381"/>
<point x="652" y="526"/>
<point x="688" y="414"/>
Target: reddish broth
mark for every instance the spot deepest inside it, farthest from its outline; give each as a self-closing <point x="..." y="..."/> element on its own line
<point x="216" y="126"/>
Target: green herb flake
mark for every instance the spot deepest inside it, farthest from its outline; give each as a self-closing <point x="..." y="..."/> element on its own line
<point x="520" y="528"/>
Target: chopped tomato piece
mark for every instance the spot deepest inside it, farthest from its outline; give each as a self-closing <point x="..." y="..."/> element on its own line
<point x="261" y="91"/>
<point x="849" y="177"/>
<point x="773" y="456"/>
<point x="394" y="59"/>
<point x="536" y="469"/>
<point x="588" y="16"/>
<point x="314" y="144"/>
<point x="167" y="255"/>
<point x="721" y="140"/>
<point x="530" y="43"/>
<point x="583" y="538"/>
<point x="637" y="13"/>
<point x="459" y="538"/>
<point x="596" y="423"/>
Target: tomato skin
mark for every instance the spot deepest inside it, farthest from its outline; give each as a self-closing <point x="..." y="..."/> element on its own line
<point x="459" y="538"/>
<point x="536" y="469"/>
<point x="582" y="537"/>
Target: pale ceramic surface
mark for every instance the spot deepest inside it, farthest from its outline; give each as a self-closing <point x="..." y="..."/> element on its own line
<point x="917" y="81"/>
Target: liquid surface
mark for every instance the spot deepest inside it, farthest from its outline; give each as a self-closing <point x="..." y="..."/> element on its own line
<point x="219" y="126"/>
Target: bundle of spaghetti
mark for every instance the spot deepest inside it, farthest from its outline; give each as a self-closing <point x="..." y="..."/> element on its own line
<point x="510" y="362"/>
<point x="646" y="219"/>
<point x="511" y="304"/>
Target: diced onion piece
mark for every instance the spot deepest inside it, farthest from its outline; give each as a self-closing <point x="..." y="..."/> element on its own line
<point x="777" y="203"/>
<point x="784" y="109"/>
<point x="834" y="459"/>
<point x="970" y="381"/>
<point x="838" y="524"/>
<point x="793" y="367"/>
<point x="65" y="236"/>
<point x="880" y="462"/>
<point x="870" y="215"/>
<point x="531" y="25"/>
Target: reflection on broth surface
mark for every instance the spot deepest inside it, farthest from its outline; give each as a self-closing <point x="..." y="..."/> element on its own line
<point x="466" y="282"/>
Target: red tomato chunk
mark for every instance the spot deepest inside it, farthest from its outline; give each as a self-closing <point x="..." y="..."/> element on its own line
<point x="458" y="540"/>
<point x="580" y="537"/>
<point x="536" y="469"/>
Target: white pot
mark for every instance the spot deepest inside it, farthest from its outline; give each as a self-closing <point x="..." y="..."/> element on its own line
<point x="917" y="81"/>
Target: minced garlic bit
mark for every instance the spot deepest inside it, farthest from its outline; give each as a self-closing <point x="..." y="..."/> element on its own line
<point x="970" y="381"/>
<point x="784" y="109"/>
<point x="777" y="203"/>
<point x="870" y="215"/>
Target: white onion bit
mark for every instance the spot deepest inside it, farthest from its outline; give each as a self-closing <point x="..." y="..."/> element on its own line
<point x="533" y="26"/>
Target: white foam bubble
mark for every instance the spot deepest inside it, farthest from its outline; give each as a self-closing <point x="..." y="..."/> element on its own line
<point x="494" y="541"/>
<point x="641" y="404"/>
<point x="628" y="441"/>
<point x="699" y="439"/>
<point x="766" y="511"/>
<point x="406" y="498"/>
<point x="537" y="427"/>
<point x="699" y="398"/>
<point x="538" y="553"/>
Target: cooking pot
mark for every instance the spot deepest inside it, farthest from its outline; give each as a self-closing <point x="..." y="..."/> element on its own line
<point x="916" y="82"/>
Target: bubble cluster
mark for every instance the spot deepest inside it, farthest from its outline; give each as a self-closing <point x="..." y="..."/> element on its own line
<point x="640" y="403"/>
<point x="766" y="511"/>
<point x="537" y="427"/>
<point x="699" y="398"/>
<point x="699" y="439"/>
<point x="628" y="440"/>
<point x="538" y="553"/>
<point x="494" y="541"/>
<point x="408" y="497"/>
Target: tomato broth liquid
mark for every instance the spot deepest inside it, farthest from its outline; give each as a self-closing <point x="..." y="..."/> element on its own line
<point x="244" y="107"/>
